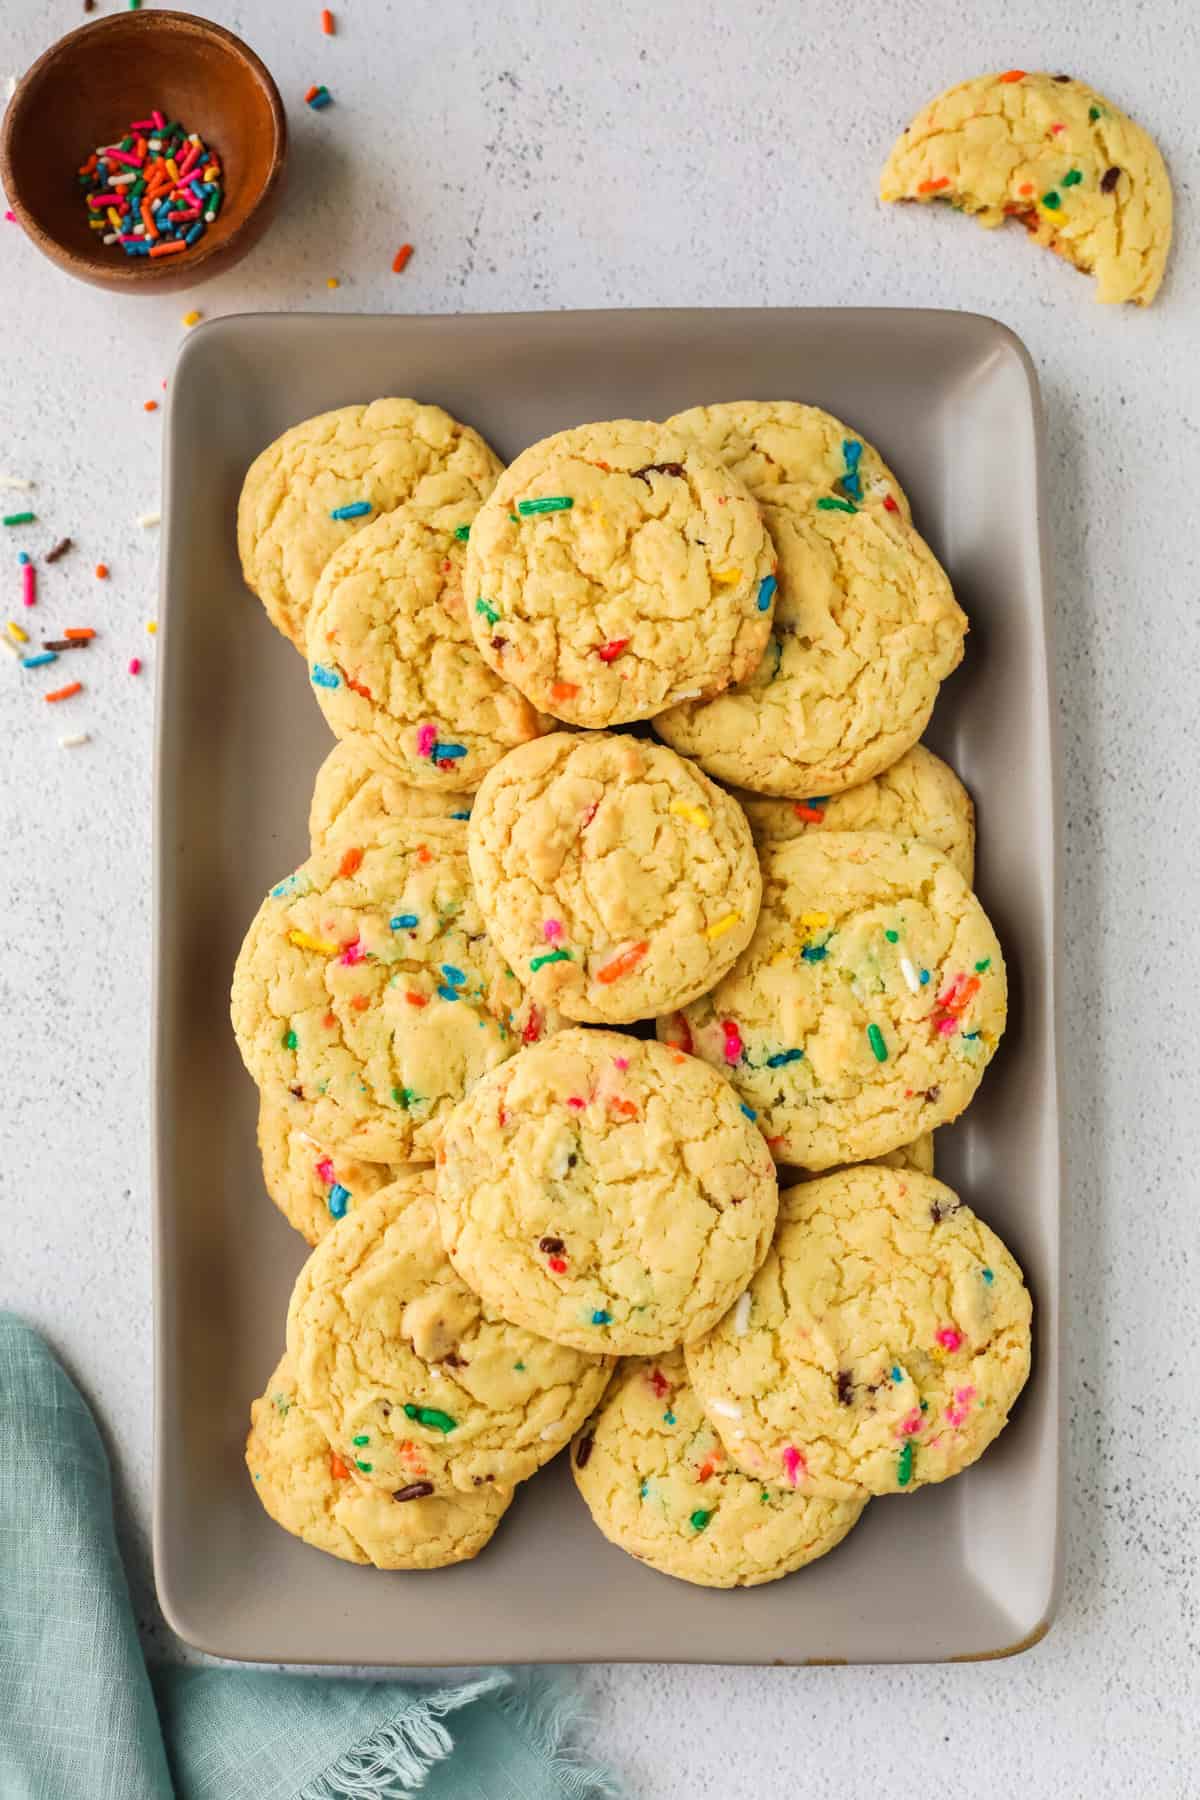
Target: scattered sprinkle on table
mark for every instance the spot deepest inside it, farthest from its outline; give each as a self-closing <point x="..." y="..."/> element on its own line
<point x="39" y="660"/>
<point x="13" y="649"/>
<point x="17" y="483"/>
<point x="146" y="520"/>
<point x="327" y="24"/>
<point x="152" y="627"/>
<point x="14" y="630"/>
<point x="73" y="742"/>
<point x="149" y="405"/>
<point x="135" y="665"/>
<point x="60" y="549"/>
<point x="331" y="281"/>
<point x="29" y="583"/>
<point x="101" y="571"/>
<point x="400" y="260"/>
<point x="189" y="319"/>
<point x="158" y="188"/>
<point x="64" y="693"/>
<point x="21" y="518"/>
<point x="319" y="97"/>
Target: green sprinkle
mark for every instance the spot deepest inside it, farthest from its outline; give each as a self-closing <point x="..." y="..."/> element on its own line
<point x="981" y="966"/>
<point x="988" y="1276"/>
<point x="764" y="1497"/>
<point x="1072" y="179"/>
<point x="487" y="611"/>
<point x="405" y="1097"/>
<point x="555" y="503"/>
<point x="361" y="1439"/>
<point x="520" y="1367"/>
<point x="893" y="937"/>
<point x="1093" y="113"/>
<point x="290" y="1040"/>
<point x="668" y="1418"/>
<point x="462" y="533"/>
<point x="513" y="519"/>
<point x="878" y="1047"/>
<point x="429" y="1415"/>
<point x="700" y="1518"/>
<point x="365" y="1467"/>
<point x="551" y="956"/>
<point x="825" y="504"/>
<point x="19" y="518"/>
<point x="283" y="1405"/>
<point x="1052" y="201"/>
<point x="904" y="1465"/>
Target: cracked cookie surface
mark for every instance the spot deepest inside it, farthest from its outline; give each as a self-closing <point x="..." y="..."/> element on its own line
<point x="866" y="628"/>
<point x="881" y="1345"/>
<point x="312" y="1185"/>
<point x="393" y="663"/>
<point x="606" y="1192"/>
<point x="367" y="986"/>
<point x="615" y="569"/>
<point x="1050" y="151"/>
<point x="659" y="1483"/>
<point x="918" y="796"/>
<point x="867" y="1005"/>
<point x="777" y="446"/>
<point x="412" y="1378"/>
<point x="354" y="797"/>
<point x="311" y="1491"/>
<point x="611" y="873"/>
<point x="380" y="456"/>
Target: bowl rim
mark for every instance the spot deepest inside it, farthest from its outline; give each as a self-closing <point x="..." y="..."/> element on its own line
<point x="140" y="272"/>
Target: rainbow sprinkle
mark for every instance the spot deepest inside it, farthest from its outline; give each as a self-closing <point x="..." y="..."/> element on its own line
<point x="552" y="504"/>
<point x="158" y="189"/>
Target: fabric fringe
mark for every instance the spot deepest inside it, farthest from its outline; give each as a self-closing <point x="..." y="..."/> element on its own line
<point x="392" y="1762"/>
<point x="548" y="1714"/>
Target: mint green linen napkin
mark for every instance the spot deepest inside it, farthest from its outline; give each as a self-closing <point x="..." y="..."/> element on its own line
<point x="78" y="1712"/>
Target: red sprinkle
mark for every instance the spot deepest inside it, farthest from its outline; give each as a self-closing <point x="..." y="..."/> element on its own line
<point x="533" y="1027"/>
<point x="559" y="1264"/>
<point x="935" y="187"/>
<point x="135" y="665"/>
<point x="337" y="1467"/>
<point x="685" y="1033"/>
<point x="659" y="1382"/>
<point x="812" y="815"/>
<point x="1013" y="75"/>
<point x="890" y="504"/>
<point x="416" y="999"/>
<point x="733" y="1040"/>
<point x="609" y="652"/>
<point x="400" y="260"/>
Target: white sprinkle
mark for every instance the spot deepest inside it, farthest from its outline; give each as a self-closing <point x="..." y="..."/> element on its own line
<point x="73" y="743"/>
<point x="13" y="649"/>
<point x="155" y="143"/>
<point x="146" y="520"/>
<point x="741" y="1315"/>
<point x="209" y="217"/>
<point x="910" y="975"/>
<point x="194" y="138"/>
<point x="110" y="237"/>
<point x="15" y="482"/>
<point x="689" y="694"/>
<point x="550" y="1431"/>
<point x="139" y="231"/>
<point x="123" y="180"/>
<point x="724" y="1409"/>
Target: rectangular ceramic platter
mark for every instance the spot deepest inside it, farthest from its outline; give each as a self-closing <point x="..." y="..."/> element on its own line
<point x="964" y="1570"/>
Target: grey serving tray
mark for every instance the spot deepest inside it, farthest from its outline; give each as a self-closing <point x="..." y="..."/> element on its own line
<point x="970" y="1569"/>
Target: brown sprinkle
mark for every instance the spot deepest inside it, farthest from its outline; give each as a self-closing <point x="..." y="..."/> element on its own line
<point x="583" y="1450"/>
<point x="551" y="1246"/>
<point x="416" y="1490"/>
<point x="60" y="549"/>
<point x="1109" y="179"/>
<point x="65" y="643"/>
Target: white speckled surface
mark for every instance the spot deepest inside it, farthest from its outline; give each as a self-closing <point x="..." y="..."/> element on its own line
<point x="553" y="156"/>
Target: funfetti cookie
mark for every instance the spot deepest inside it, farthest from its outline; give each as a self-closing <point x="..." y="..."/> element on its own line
<point x="866" y="629"/>
<point x="606" y="1192"/>
<point x="917" y="796"/>
<point x="659" y="1483"/>
<point x="315" y="1494"/>
<point x="778" y="446"/>
<point x="611" y="873"/>
<point x="312" y="1185"/>
<point x="392" y="661"/>
<point x="881" y="1346"/>
<point x="353" y="797"/>
<point x="867" y="1005"/>
<point x="1053" y="153"/>
<point x="367" y="987"/>
<point x="412" y="1377"/>
<point x="327" y="477"/>
<point x="617" y="569"/>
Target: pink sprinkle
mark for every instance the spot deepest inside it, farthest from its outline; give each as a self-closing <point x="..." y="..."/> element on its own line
<point x="551" y="930"/>
<point x="1057" y="128"/>
<point x="733" y="1041"/>
<point x="793" y="1462"/>
<point x="353" y="953"/>
<point x="135" y="665"/>
<point x="576" y="1103"/>
<point x="947" y="1027"/>
<point x="10" y="215"/>
<point x="124" y="156"/>
<point x="142" y="125"/>
<point x="29" y="574"/>
<point x="426" y="739"/>
<point x="620" y="1062"/>
<point x="910" y="1424"/>
<point x="159" y="119"/>
<point x="326" y="1171"/>
<point x="949" y="1337"/>
<point x="964" y="1395"/>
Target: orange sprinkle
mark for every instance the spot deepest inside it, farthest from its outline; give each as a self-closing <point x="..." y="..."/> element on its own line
<point x="312" y="93"/>
<point x="625" y="1109"/>
<point x="64" y="693"/>
<point x="361" y="1002"/>
<point x="564" y="690"/>
<point x="327" y="25"/>
<point x="149" y="405"/>
<point x="337" y="1467"/>
<point x="705" y="1472"/>
<point x="329" y="1021"/>
<point x="152" y="230"/>
<point x="1013" y="75"/>
<point x="101" y="571"/>
<point x="82" y="636"/>
<point x="400" y="260"/>
<point x="622" y="964"/>
<point x="416" y="999"/>
<point x="933" y="187"/>
<point x="351" y="863"/>
<point x="171" y="247"/>
<point x="1026" y="187"/>
<point x="424" y="853"/>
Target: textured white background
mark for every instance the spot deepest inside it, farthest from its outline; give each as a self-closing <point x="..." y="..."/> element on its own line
<point x="620" y="154"/>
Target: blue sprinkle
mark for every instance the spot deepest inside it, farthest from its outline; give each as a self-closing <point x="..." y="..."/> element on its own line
<point x="448" y="993"/>
<point x="195" y="233"/>
<point x="642" y="1491"/>
<point x="323" y="677"/>
<point x="448" y="752"/>
<point x="782" y="1057"/>
<point x="40" y="660"/>
<point x="766" y="592"/>
<point x="988" y="1276"/>
<point x="819" y="800"/>
<point x="403" y="921"/>
<point x="454" y="976"/>
<point x="600" y="1317"/>
<point x="23" y="558"/>
<point x="461" y="815"/>
<point x="321" y="99"/>
<point x="969" y="1035"/>
<point x="814" y="953"/>
<point x="924" y="978"/>
<point x="852" y="481"/>
<point x="749" y="1111"/>
<point x="358" y="509"/>
<point x="896" y="1375"/>
<point x="668" y="1418"/>
<point x="339" y="1198"/>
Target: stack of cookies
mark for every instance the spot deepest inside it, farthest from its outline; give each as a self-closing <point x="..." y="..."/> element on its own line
<point x="554" y="1002"/>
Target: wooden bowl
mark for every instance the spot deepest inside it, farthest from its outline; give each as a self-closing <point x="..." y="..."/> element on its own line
<point x="87" y="88"/>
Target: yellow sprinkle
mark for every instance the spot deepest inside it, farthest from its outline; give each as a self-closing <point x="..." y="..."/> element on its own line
<point x="723" y="925"/>
<point x="696" y="814"/>
<point x="303" y="941"/>
<point x="190" y="319"/>
<point x="14" y="630"/>
<point x="332" y="282"/>
<point x="727" y="577"/>
<point x="114" y="218"/>
<point x="152" y="627"/>
<point x="814" y="918"/>
<point x="172" y="171"/>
